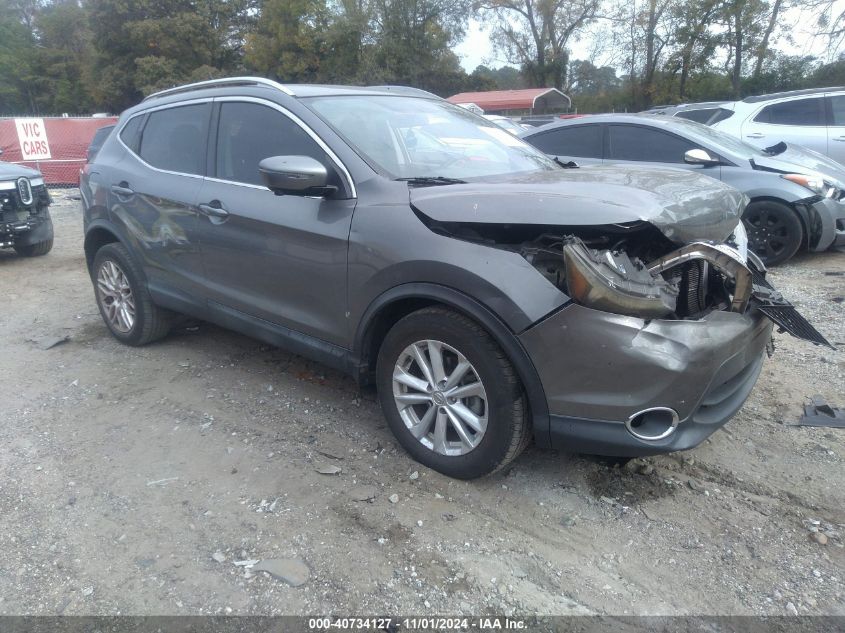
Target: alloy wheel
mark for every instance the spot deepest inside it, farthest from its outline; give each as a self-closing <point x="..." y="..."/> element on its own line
<point x="440" y="397"/>
<point x="768" y="235"/>
<point x="115" y="295"/>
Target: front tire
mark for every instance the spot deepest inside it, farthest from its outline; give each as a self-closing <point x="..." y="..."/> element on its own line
<point x="34" y="250"/>
<point x="450" y="394"/>
<point x="774" y="231"/>
<point x="123" y="299"/>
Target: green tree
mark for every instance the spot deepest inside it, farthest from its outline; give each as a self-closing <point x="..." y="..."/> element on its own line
<point x="585" y="78"/>
<point x="63" y="58"/>
<point x="17" y="52"/>
<point x="535" y="34"/>
<point x="412" y="44"/>
<point x="289" y="40"/>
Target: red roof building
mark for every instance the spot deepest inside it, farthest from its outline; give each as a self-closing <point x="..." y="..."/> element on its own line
<point x="527" y="101"/>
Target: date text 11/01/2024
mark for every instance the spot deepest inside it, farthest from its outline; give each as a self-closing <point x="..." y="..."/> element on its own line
<point x="420" y="623"/>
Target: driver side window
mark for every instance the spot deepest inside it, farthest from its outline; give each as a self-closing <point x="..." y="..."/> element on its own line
<point x="247" y="133"/>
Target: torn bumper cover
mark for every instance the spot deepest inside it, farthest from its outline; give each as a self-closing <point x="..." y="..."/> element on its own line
<point x="628" y="386"/>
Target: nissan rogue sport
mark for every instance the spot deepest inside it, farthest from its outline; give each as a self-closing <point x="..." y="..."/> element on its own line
<point x="491" y="294"/>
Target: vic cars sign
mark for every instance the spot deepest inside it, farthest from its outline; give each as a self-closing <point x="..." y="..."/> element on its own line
<point x="32" y="136"/>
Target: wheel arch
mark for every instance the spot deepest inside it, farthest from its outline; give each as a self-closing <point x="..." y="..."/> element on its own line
<point x="97" y="236"/>
<point x="394" y="304"/>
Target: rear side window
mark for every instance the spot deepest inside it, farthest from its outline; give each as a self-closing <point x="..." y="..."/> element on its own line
<point x="806" y="112"/>
<point x="249" y="132"/>
<point x="175" y="139"/>
<point x="579" y="140"/>
<point x="130" y="134"/>
<point x="634" y="142"/>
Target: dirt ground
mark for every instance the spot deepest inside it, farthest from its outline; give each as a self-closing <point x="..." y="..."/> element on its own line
<point x="133" y="480"/>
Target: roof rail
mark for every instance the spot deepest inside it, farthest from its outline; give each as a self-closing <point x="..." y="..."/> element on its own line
<point x="791" y="93"/>
<point x="216" y="83"/>
<point x="406" y="90"/>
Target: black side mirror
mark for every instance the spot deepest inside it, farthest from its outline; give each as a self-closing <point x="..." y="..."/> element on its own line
<point x="295" y="175"/>
<point x="700" y="157"/>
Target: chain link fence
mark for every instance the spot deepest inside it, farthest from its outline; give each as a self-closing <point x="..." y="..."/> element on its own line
<point x="55" y="146"/>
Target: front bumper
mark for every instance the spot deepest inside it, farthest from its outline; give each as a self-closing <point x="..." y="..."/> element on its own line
<point x="829" y="217"/>
<point x="599" y="369"/>
<point x="25" y="224"/>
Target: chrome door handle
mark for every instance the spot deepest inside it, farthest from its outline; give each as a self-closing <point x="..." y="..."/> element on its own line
<point x="755" y="135"/>
<point x="841" y="139"/>
<point x="122" y="190"/>
<point x="213" y="210"/>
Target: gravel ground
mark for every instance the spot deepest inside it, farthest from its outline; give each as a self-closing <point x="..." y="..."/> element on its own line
<point x="132" y="481"/>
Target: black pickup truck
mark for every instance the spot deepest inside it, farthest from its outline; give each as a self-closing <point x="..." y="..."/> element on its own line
<point x="25" y="223"/>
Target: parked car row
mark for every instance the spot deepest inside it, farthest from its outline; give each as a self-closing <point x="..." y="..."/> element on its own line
<point x="491" y="294"/>
<point x="795" y="194"/>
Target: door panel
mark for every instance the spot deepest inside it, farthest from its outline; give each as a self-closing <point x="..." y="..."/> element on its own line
<point x="836" y="127"/>
<point x="279" y="258"/>
<point x="157" y="205"/>
<point x="796" y="121"/>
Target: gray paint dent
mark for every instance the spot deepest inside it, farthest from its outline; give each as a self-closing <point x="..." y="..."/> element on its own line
<point x="604" y="366"/>
<point x="683" y="205"/>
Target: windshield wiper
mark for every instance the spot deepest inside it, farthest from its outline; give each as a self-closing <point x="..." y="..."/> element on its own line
<point x="432" y="180"/>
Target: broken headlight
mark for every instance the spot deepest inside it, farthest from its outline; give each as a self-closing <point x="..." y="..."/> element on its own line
<point x="816" y="184"/>
<point x="612" y="282"/>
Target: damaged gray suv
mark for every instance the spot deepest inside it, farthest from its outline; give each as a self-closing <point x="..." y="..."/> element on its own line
<point x="492" y="295"/>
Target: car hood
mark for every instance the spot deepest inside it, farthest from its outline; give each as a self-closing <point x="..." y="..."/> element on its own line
<point x="10" y="171"/>
<point x="800" y="160"/>
<point x="683" y="205"/>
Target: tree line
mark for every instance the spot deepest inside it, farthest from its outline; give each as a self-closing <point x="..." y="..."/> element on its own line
<point x="105" y="55"/>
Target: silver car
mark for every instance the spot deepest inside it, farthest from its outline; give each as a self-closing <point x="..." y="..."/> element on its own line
<point x="795" y="194"/>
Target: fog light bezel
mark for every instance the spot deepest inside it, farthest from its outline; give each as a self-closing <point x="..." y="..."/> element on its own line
<point x="675" y="421"/>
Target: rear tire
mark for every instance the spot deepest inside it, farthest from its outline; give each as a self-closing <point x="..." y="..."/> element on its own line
<point x="470" y="419"/>
<point x="123" y="299"/>
<point x="774" y="231"/>
<point x="34" y="250"/>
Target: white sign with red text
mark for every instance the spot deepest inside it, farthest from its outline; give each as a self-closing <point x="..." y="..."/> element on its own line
<point x="32" y="136"/>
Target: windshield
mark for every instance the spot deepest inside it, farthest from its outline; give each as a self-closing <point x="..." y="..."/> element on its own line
<point x="720" y="141"/>
<point x="410" y="137"/>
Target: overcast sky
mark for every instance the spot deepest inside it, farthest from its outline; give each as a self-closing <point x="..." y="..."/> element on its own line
<point x="476" y="47"/>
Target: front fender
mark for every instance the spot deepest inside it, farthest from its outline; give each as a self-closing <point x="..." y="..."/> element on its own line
<point x="390" y="246"/>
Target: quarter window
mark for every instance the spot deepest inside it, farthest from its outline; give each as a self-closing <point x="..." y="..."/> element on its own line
<point x="633" y="142"/>
<point x="583" y="141"/>
<point x="130" y="134"/>
<point x="174" y="139"/>
<point x="808" y="112"/>
<point x="249" y="132"/>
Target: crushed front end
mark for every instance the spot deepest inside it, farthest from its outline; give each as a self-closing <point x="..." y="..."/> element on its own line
<point x="24" y="214"/>
<point x="660" y="345"/>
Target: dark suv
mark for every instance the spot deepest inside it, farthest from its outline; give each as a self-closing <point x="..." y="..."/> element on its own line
<point x="491" y="295"/>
